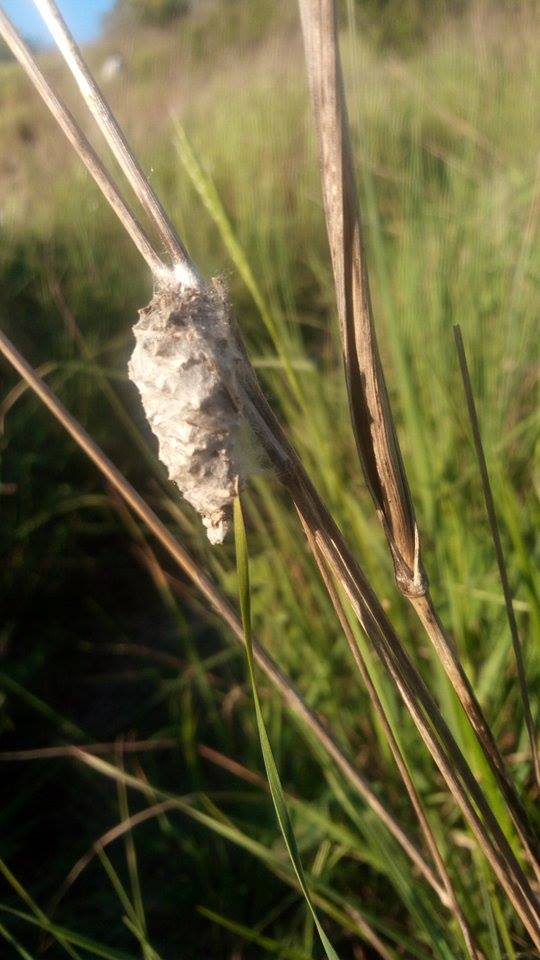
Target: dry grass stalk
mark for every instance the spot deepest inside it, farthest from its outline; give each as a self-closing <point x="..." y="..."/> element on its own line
<point x="371" y="415"/>
<point x="434" y="629"/>
<point x="48" y="753"/>
<point x="416" y="697"/>
<point x="401" y="764"/>
<point x="496" y="537"/>
<point x="100" y="110"/>
<point x="80" y="144"/>
<point x="283" y="684"/>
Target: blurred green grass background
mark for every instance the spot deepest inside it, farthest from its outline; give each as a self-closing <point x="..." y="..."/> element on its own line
<point x="98" y="642"/>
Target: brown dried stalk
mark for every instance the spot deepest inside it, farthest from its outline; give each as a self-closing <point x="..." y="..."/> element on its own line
<point x="100" y="110"/>
<point x="80" y="143"/>
<point x="371" y="415"/>
<point x="401" y="764"/>
<point x="416" y="697"/>
<point x="283" y="684"/>
<point x="48" y="753"/>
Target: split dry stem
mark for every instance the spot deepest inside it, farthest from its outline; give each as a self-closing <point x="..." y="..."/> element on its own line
<point x="371" y="414"/>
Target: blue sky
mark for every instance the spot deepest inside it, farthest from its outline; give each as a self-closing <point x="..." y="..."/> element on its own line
<point x="82" y="16"/>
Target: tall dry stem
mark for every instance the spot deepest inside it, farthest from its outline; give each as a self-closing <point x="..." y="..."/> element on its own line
<point x="80" y="143"/>
<point x="371" y="415"/>
<point x="372" y="421"/>
<point x="414" y="797"/>
<point x="406" y="678"/>
<point x="105" y="119"/>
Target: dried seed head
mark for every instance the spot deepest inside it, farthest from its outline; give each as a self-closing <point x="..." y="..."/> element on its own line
<point x="186" y="365"/>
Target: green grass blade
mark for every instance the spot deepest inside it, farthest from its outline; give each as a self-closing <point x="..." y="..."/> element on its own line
<point x="14" y="943"/>
<point x="274" y="781"/>
<point x="212" y="201"/>
<point x="253" y="936"/>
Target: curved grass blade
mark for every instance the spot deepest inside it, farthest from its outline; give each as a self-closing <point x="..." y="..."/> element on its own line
<point x="274" y="782"/>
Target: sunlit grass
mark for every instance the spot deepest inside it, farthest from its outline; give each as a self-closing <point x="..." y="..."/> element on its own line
<point x="446" y="144"/>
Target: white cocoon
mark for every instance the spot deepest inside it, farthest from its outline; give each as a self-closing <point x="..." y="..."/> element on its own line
<point x="185" y="365"/>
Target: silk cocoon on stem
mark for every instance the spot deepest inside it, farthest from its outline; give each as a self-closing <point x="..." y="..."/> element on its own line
<point x="186" y="366"/>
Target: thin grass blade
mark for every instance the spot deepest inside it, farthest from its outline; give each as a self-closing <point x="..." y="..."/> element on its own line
<point x="499" y="552"/>
<point x="274" y="782"/>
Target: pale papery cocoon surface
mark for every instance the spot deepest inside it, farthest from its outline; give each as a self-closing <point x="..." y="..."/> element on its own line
<point x="186" y="365"/>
